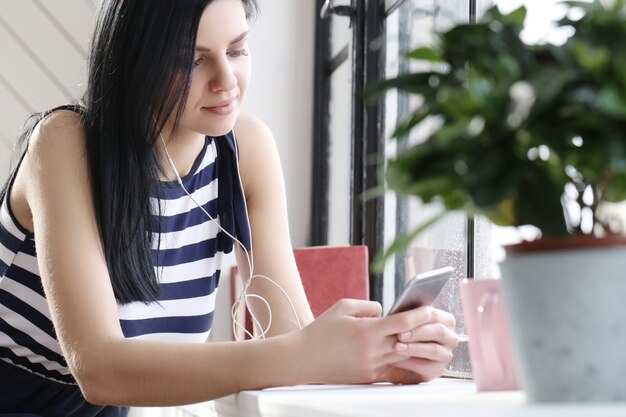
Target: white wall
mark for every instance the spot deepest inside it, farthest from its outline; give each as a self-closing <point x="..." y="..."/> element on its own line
<point x="43" y="44"/>
<point x="282" y="45"/>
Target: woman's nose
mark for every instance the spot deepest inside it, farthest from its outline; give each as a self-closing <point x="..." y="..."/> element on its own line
<point x="223" y="78"/>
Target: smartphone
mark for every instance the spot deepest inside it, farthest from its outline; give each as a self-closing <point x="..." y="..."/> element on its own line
<point x="422" y="290"/>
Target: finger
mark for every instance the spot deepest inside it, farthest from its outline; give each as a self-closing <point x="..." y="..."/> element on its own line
<point x="431" y="351"/>
<point x="359" y="308"/>
<point x="406" y="320"/>
<point x="443" y="317"/>
<point x="427" y="370"/>
<point x="392" y="357"/>
<point x="437" y="333"/>
<point x="388" y="354"/>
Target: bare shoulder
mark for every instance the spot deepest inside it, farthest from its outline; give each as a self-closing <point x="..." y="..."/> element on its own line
<point x="57" y="133"/>
<point x="57" y="146"/>
<point x="257" y="149"/>
<point x="252" y="134"/>
<point x="56" y="149"/>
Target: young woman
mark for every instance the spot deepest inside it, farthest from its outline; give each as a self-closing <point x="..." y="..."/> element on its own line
<point x="108" y="268"/>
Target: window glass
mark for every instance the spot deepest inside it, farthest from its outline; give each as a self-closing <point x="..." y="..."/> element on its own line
<point x="474" y="246"/>
<point x="340" y="131"/>
<point x="446" y="243"/>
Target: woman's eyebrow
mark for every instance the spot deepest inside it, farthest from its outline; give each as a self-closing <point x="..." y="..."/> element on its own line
<point x="238" y="39"/>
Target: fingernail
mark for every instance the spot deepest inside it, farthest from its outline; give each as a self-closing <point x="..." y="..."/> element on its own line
<point x="404" y="335"/>
<point x="401" y="347"/>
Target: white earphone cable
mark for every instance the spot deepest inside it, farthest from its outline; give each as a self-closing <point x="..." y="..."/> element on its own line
<point x="249" y="257"/>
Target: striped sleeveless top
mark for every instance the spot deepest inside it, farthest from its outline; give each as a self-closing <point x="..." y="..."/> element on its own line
<point x="187" y="263"/>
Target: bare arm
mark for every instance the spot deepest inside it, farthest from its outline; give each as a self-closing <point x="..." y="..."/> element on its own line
<point x="109" y="368"/>
<point x="263" y="182"/>
<point x="348" y="344"/>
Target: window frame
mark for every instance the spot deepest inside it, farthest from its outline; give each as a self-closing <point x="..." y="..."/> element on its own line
<point x="368" y="21"/>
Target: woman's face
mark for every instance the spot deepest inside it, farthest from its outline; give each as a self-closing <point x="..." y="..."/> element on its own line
<point x="221" y="70"/>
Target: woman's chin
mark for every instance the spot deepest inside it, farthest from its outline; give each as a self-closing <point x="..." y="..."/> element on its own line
<point x="217" y="127"/>
<point x="215" y="131"/>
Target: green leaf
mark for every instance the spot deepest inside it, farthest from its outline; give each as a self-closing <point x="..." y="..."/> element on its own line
<point x="539" y="201"/>
<point x="516" y="17"/>
<point x="463" y="42"/>
<point x="426" y="54"/>
<point x="492" y="175"/>
<point x="374" y="192"/>
<point x="427" y="189"/>
<point x="610" y="101"/>
<point x="481" y="90"/>
<point x="504" y="213"/>
<point x="425" y="159"/>
<point x="455" y="102"/>
<point x="619" y="68"/>
<point x="400" y="243"/>
<point x="616" y="189"/>
<point x="417" y="83"/>
<point x="592" y="58"/>
<point x="548" y="83"/>
<point x="416" y="118"/>
<point x="451" y="132"/>
<point x="423" y="171"/>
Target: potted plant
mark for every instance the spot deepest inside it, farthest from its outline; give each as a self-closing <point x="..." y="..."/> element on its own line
<point x="535" y="135"/>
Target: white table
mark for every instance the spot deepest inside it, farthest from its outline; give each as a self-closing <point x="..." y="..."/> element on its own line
<point x="439" y="398"/>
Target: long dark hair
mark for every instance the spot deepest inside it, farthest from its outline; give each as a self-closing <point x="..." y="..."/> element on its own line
<point x="139" y="70"/>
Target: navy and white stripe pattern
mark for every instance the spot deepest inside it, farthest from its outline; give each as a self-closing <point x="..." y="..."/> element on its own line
<point x="187" y="257"/>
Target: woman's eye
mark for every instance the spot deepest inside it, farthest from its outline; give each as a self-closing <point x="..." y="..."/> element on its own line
<point x="238" y="53"/>
<point x="198" y="61"/>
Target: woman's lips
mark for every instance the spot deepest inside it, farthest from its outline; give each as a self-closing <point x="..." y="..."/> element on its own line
<point x="223" y="109"/>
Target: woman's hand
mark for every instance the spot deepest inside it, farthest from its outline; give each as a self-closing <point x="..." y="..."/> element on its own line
<point x="352" y="343"/>
<point x="343" y="345"/>
<point x="427" y="350"/>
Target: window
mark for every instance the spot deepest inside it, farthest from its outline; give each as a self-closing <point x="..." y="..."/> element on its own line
<point x="456" y="240"/>
<point x="364" y="41"/>
<point x="359" y="42"/>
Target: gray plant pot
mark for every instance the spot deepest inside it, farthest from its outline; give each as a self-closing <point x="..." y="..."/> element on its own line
<point x="567" y="312"/>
